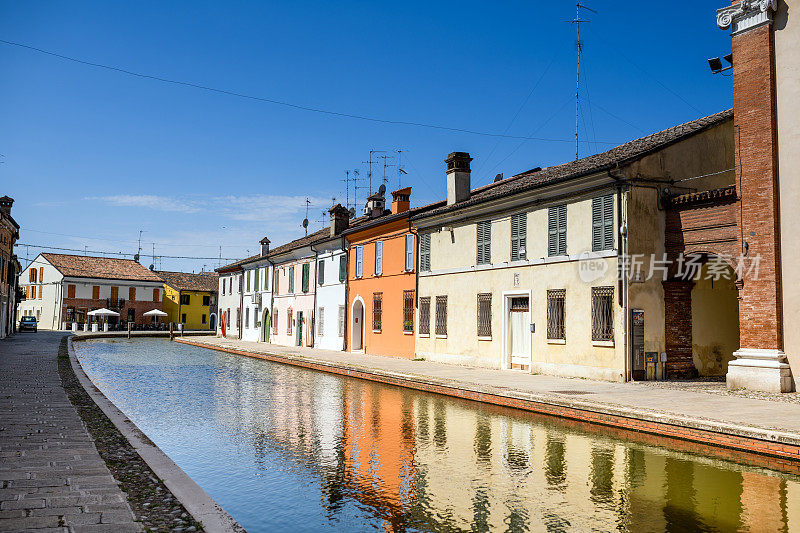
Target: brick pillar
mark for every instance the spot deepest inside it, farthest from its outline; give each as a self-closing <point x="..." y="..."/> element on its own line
<point x="678" y="328"/>
<point x="761" y="363"/>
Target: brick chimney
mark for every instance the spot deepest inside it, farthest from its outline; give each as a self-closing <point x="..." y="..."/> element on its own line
<point x="376" y="204"/>
<point x="458" y="177"/>
<point x="264" y="246"/>
<point x="401" y="201"/>
<point x="760" y="361"/>
<point x="5" y="204"/>
<point x="340" y="219"/>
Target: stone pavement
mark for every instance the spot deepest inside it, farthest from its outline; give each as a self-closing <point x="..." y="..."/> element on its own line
<point x="51" y="476"/>
<point x="677" y="405"/>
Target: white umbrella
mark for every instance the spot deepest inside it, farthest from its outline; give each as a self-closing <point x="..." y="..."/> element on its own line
<point x="155" y="312"/>
<point x="103" y="312"/>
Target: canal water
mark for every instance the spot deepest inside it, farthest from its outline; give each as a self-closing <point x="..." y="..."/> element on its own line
<point x="283" y="448"/>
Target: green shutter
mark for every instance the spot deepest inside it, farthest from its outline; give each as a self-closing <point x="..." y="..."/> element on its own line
<point x="248" y="280"/>
<point x="484" y="242"/>
<point x="603" y="223"/>
<point x="608" y="222"/>
<point x="321" y="271"/>
<point x="518" y="235"/>
<point x="562" y="230"/>
<point x="257" y="271"/>
<point x="306" y="269"/>
<point x="552" y="231"/>
<point x="342" y="268"/>
<point x="291" y="279"/>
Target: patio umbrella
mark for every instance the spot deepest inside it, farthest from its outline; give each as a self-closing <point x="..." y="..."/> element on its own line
<point x="155" y="313"/>
<point x="103" y="312"/>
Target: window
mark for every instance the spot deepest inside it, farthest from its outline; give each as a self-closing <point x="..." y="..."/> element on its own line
<point x="557" y="230"/>
<point x="408" y="311"/>
<point x="341" y="321"/>
<point x="409" y="252"/>
<point x="32" y="275"/>
<point x="247" y="317"/>
<point x="602" y="313"/>
<point x="96" y="292"/>
<point x="183" y="318"/>
<point x="603" y="223"/>
<point x="359" y="261"/>
<point x="70" y="314"/>
<point x="274" y="321"/>
<point x="238" y="319"/>
<point x="41" y="274"/>
<point x="556" y="314"/>
<point x="70" y="291"/>
<point x="485" y="315"/>
<point x="248" y="280"/>
<point x="228" y="317"/>
<point x="291" y="279"/>
<point x="203" y="318"/>
<point x="320" y="321"/>
<point x="222" y="289"/>
<point x="256" y="274"/>
<point x="425" y="252"/>
<point x="321" y="272"/>
<point x="441" y="315"/>
<point x="40" y="292"/>
<point x="425" y="316"/>
<point x="206" y="300"/>
<point x="519" y="229"/>
<point x="184" y="299"/>
<point x="306" y="273"/>
<point x="484" y="242"/>
<point x="342" y="268"/>
<point x="379" y="258"/>
<point x="132" y="294"/>
<point x="377" y="311"/>
<point x="289" y="321"/>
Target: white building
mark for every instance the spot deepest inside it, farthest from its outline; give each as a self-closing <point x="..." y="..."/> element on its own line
<point x="61" y="289"/>
<point x="230" y="298"/>
<point x="331" y="315"/>
<point x="257" y="296"/>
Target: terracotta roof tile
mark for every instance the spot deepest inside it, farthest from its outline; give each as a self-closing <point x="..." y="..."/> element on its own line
<point x="85" y="266"/>
<point x="184" y="281"/>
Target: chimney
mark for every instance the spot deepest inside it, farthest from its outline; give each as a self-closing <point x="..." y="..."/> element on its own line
<point x="458" y="177"/>
<point x="264" y="246"/>
<point x="400" y="200"/>
<point x="375" y="205"/>
<point x="340" y="219"/>
<point x="5" y="204"/>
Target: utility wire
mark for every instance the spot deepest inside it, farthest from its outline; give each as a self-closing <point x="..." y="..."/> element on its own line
<point x="284" y="103"/>
<point x="120" y="253"/>
<point x="108" y="239"/>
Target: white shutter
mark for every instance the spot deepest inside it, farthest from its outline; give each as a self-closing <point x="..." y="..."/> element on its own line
<point x="379" y="257"/>
<point x="341" y="321"/>
<point x="320" y="321"/>
<point x="425" y="252"/>
<point x="359" y="261"/>
<point x="409" y="252"/>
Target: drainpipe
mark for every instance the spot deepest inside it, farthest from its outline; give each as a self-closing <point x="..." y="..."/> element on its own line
<point x="622" y="282"/>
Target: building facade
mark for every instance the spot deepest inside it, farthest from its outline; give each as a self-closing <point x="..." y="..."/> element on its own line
<point x="190" y="299"/>
<point x="257" y="296"/>
<point x="60" y="290"/>
<point x="382" y="279"/>
<point x="9" y="268"/>
<point x="230" y="299"/>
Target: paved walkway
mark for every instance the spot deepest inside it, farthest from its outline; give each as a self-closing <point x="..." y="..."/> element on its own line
<point x="51" y="476"/>
<point x="680" y="406"/>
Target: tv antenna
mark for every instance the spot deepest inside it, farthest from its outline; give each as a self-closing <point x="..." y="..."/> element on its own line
<point x="369" y="172"/>
<point x="400" y="170"/>
<point x="305" y="220"/>
<point x="385" y="166"/>
<point x="577" y="21"/>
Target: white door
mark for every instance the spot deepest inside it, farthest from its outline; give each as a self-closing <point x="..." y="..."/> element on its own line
<point x="357" y="327"/>
<point x="520" y="337"/>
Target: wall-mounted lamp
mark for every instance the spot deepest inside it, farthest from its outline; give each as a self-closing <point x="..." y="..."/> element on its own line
<point x="715" y="64"/>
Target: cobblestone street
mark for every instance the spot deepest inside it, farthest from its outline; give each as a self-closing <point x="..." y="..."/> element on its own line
<point x="51" y="475"/>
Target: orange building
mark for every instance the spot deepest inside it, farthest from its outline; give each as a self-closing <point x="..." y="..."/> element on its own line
<point x="381" y="291"/>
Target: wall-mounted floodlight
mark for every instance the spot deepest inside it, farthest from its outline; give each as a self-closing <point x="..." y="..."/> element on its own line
<point x="715" y="63"/>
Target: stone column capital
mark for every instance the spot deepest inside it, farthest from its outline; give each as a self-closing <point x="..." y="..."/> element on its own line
<point x="746" y="15"/>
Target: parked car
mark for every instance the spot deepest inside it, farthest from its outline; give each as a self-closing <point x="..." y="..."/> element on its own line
<point x="27" y="323"/>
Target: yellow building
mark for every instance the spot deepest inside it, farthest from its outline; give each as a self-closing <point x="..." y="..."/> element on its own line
<point x="190" y="299"/>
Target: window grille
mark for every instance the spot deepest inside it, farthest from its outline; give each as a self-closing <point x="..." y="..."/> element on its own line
<point x="379" y="258"/>
<point x="425" y="252"/>
<point x="321" y="272"/>
<point x="485" y="315"/>
<point x="306" y="273"/>
<point x="602" y="313"/>
<point x="342" y="268"/>
<point x="441" y="315"/>
<point x="603" y="223"/>
<point x="484" y="231"/>
<point x="377" y="303"/>
<point x="291" y="279"/>
<point x="289" y="321"/>
<point x="557" y="230"/>
<point x="425" y="315"/>
<point x="320" y="321"/>
<point x="408" y="311"/>
<point x="519" y="303"/>
<point x="409" y="266"/>
<point x="341" y="321"/>
<point x="519" y="230"/>
<point x="556" y="314"/>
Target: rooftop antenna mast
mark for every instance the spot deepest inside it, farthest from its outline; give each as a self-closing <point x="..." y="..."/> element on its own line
<point x="577" y="21"/>
<point x="305" y="220"/>
<point x="356" y="180"/>
<point x="369" y="172"/>
<point x="385" y="165"/>
<point x="400" y="170"/>
<point x="347" y="188"/>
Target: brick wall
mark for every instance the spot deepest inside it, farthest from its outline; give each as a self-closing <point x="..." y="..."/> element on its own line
<point x="756" y="140"/>
<point x="678" y="328"/>
<point x="140" y="308"/>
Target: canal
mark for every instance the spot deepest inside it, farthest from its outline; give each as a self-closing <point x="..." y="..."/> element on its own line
<point x="283" y="448"/>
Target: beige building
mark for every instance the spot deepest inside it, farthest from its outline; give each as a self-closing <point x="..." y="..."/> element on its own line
<point x="549" y="271"/>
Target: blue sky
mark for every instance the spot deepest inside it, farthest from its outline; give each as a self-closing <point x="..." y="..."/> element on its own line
<point x="93" y="156"/>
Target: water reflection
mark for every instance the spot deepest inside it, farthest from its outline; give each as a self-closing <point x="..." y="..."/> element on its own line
<point x="288" y="448"/>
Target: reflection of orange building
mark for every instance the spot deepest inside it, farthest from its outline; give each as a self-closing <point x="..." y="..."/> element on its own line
<point x="381" y="278"/>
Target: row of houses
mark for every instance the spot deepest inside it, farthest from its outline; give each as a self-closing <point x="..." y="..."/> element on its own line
<point x="667" y="256"/>
<point x="60" y="290"/>
<point x="9" y="268"/>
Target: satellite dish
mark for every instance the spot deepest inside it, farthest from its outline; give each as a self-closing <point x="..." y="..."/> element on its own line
<point x="352" y="212"/>
<point x="499" y="177"/>
<point x="152" y="267"/>
<point x="305" y="222"/>
<point x="382" y="189"/>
